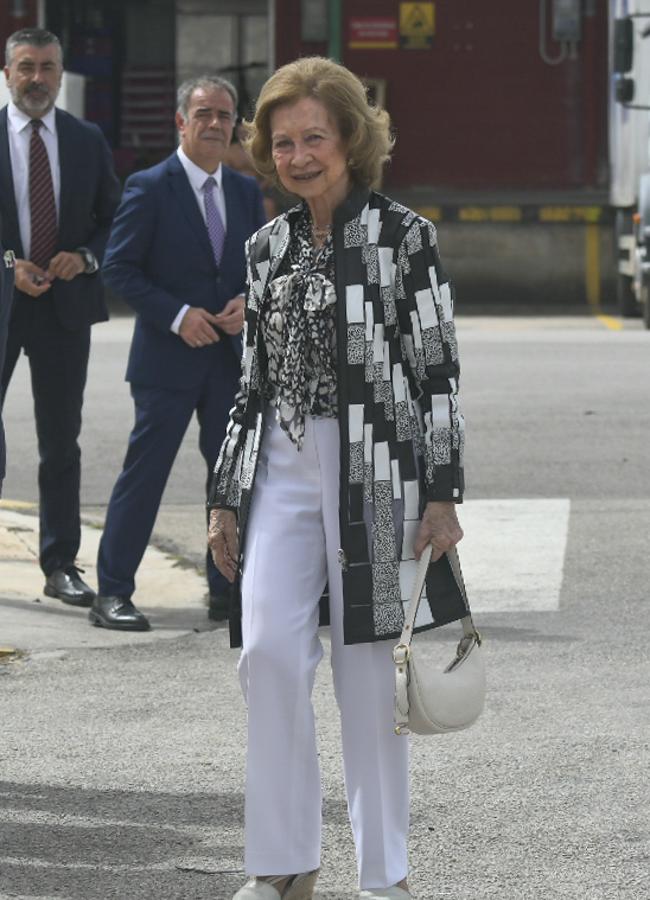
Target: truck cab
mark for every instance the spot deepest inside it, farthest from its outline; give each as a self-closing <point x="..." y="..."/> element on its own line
<point x="629" y="134"/>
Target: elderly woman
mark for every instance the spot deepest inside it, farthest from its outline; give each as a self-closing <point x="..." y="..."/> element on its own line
<point x="343" y="459"/>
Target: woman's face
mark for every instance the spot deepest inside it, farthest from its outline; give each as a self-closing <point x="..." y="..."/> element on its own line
<point x="309" y="153"/>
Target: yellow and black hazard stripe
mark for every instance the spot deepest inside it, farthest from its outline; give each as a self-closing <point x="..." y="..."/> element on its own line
<point x="512" y="214"/>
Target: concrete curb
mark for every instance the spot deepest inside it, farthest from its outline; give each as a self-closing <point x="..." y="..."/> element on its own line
<point x="169" y="591"/>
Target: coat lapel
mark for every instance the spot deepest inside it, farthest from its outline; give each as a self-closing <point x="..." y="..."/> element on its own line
<point x="8" y="202"/>
<point x="233" y="214"/>
<point x="186" y="199"/>
<point x="237" y="216"/>
<point x="278" y="239"/>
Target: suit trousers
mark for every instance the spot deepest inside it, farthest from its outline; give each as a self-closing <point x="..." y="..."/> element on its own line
<point x="290" y="554"/>
<point x="161" y="420"/>
<point x="58" y="362"/>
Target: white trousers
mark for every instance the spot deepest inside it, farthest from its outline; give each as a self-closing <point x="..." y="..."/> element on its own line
<point x="291" y="552"/>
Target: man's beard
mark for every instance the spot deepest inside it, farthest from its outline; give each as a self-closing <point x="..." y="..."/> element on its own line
<point x="33" y="101"/>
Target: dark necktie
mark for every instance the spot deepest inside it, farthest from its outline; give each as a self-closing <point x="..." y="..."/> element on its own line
<point x="42" y="208"/>
<point x="213" y="220"/>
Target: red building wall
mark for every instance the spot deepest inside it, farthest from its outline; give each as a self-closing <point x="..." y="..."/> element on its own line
<point x="480" y="109"/>
<point x="10" y="22"/>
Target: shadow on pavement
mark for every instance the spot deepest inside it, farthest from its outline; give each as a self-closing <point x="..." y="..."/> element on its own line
<point x="83" y="844"/>
<point x="93" y="845"/>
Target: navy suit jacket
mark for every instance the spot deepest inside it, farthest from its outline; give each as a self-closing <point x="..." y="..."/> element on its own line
<point x="6" y="296"/>
<point x="89" y="196"/>
<point x="159" y="257"/>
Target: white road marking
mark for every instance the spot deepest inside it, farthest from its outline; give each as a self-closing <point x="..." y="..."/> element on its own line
<point x="513" y="553"/>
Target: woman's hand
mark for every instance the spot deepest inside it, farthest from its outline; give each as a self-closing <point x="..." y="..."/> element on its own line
<point x="224" y="542"/>
<point x="439" y="527"/>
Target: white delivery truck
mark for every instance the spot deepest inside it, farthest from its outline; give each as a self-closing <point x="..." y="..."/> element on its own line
<point x="629" y="135"/>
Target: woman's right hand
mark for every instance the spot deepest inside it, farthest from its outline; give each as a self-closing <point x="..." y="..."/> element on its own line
<point x="223" y="542"/>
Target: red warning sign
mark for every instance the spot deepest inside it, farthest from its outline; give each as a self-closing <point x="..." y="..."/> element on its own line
<point x="377" y="33"/>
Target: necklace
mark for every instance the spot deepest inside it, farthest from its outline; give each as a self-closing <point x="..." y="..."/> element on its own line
<point x="321" y="232"/>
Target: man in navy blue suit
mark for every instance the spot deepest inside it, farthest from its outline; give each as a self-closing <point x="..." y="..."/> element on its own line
<point x="176" y="255"/>
<point x="6" y="297"/>
<point x="58" y="194"/>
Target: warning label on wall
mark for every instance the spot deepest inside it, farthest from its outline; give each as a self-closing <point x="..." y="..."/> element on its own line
<point x="417" y="25"/>
<point x="372" y="33"/>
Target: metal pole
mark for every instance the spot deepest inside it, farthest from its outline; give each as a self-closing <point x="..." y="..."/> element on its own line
<point x="335" y="49"/>
<point x="40" y="14"/>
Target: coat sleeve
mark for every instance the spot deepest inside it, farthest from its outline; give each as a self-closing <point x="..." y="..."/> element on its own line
<point x="425" y="318"/>
<point x="107" y="197"/>
<point x="6" y="299"/>
<point x="225" y="487"/>
<point x="129" y="245"/>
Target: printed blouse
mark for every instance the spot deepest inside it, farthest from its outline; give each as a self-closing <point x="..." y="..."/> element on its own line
<point x="298" y="328"/>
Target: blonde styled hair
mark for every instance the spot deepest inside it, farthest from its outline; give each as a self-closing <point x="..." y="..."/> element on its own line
<point x="365" y="129"/>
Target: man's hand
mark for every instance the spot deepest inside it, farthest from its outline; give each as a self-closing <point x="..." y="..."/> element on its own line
<point x="224" y="542"/>
<point x="231" y="317"/>
<point x="440" y="528"/>
<point x="66" y="266"/>
<point x="31" y="279"/>
<point x="196" y="327"/>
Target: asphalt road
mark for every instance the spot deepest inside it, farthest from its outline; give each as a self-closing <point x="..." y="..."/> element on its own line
<point x="121" y="768"/>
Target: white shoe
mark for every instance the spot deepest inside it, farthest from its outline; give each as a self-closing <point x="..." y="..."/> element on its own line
<point x="391" y="893"/>
<point x="257" y="890"/>
<point x="301" y="888"/>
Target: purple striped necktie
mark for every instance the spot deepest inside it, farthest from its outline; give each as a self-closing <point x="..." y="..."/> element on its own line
<point x="216" y="231"/>
<point x="42" y="207"/>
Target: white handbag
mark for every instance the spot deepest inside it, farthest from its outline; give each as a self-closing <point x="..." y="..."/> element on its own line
<point x="430" y="700"/>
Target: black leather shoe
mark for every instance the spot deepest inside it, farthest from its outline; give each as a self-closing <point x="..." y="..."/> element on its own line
<point x="219" y="608"/>
<point x="67" y="585"/>
<point x="118" y="613"/>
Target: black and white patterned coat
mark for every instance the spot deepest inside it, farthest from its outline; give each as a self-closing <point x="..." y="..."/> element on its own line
<point x="401" y="427"/>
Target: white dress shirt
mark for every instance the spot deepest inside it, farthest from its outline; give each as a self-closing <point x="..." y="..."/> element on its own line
<point x="197" y="176"/>
<point x="20" y="134"/>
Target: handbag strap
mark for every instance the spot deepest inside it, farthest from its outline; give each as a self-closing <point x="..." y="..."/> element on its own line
<point x="469" y="630"/>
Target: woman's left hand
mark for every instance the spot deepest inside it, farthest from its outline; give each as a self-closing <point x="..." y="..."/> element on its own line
<point x="439" y="527"/>
<point x="223" y="541"/>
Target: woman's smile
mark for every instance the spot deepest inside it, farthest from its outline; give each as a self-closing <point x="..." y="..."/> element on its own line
<point x="309" y="155"/>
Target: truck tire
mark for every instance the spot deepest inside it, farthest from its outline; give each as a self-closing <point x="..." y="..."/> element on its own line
<point x="626" y="301"/>
<point x="627" y="305"/>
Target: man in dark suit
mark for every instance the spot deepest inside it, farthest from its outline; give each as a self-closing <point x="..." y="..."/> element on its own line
<point x="6" y="297"/>
<point x="58" y="194"/>
<point x="176" y="255"/>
